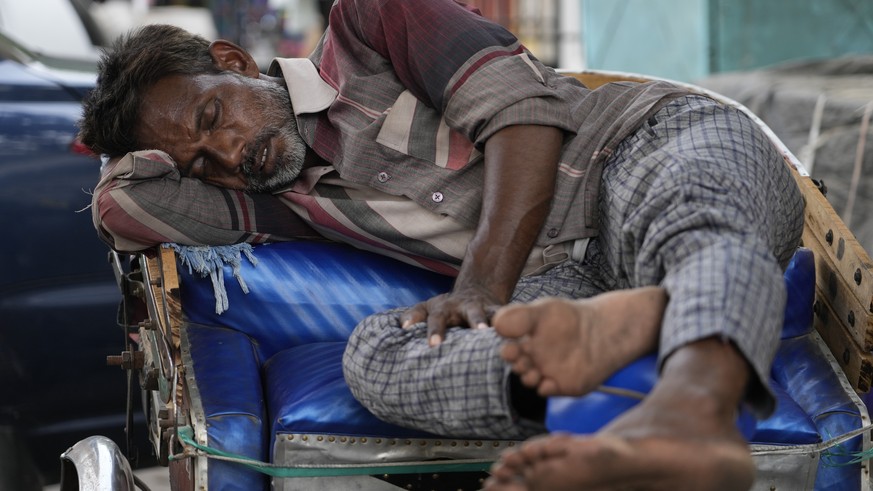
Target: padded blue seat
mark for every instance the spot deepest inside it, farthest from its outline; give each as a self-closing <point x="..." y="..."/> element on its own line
<point x="269" y="369"/>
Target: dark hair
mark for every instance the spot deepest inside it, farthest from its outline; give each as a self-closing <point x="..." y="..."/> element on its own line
<point x="134" y="63"/>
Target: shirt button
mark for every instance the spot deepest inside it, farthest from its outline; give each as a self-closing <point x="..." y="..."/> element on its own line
<point x="437" y="197"/>
<point x="553" y="232"/>
<point x="383" y="177"/>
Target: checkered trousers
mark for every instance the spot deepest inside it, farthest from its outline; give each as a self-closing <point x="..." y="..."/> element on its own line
<point x="697" y="201"/>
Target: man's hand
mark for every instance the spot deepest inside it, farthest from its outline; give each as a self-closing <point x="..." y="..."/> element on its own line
<point x="472" y="308"/>
<point x="520" y="167"/>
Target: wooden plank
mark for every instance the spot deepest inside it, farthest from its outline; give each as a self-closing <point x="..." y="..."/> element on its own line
<point x="834" y="290"/>
<point x="170" y="283"/>
<point x="153" y="263"/>
<point x="839" y="246"/>
<point x="856" y="362"/>
<point x="844" y="286"/>
<point x="594" y="80"/>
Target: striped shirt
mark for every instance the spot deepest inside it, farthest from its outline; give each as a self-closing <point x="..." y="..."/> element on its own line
<point x="398" y="100"/>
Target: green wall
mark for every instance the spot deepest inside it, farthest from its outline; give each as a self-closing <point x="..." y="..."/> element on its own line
<point x="753" y="33"/>
<point x="689" y="39"/>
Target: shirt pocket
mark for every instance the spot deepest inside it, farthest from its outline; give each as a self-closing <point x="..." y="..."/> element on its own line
<point x="414" y="129"/>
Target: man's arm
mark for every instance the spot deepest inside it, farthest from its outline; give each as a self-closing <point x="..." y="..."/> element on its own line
<point x="520" y="167"/>
<point x="142" y="200"/>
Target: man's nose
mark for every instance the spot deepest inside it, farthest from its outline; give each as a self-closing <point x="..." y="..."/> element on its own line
<point x="228" y="150"/>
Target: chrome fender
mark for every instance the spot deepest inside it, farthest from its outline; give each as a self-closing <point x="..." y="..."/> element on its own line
<point x="95" y="463"/>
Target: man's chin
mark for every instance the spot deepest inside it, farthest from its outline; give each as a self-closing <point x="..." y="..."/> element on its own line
<point x="275" y="183"/>
<point x="267" y="187"/>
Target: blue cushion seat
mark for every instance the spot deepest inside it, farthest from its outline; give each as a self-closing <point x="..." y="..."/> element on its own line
<point x="271" y="365"/>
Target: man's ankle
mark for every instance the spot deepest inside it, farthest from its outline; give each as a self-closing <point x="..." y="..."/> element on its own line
<point x="710" y="370"/>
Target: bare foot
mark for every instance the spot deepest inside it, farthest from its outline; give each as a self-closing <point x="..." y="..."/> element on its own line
<point x="569" y="347"/>
<point x="682" y="437"/>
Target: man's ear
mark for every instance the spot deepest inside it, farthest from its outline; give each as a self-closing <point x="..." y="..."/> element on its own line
<point x="228" y="56"/>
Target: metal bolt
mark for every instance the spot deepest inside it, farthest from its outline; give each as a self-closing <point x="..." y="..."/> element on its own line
<point x="164" y="420"/>
<point x="137" y="290"/>
<point x="127" y="360"/>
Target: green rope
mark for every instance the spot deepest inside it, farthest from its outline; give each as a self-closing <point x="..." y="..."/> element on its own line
<point x="837" y="455"/>
<point x="186" y="435"/>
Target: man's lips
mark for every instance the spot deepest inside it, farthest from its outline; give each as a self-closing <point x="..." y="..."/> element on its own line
<point x="259" y="163"/>
<point x="261" y="158"/>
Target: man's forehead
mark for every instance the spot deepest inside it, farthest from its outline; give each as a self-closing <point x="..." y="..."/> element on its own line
<point x="175" y="89"/>
<point x="166" y="110"/>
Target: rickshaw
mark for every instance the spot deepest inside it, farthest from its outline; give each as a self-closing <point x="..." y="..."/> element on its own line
<point x="238" y="357"/>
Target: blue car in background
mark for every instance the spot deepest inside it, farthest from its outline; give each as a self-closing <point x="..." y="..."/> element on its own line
<point x="58" y="295"/>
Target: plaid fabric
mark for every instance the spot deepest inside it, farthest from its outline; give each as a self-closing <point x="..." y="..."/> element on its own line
<point x="698" y="201"/>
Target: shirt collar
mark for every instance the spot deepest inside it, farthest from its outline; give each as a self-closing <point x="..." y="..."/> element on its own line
<point x="309" y="92"/>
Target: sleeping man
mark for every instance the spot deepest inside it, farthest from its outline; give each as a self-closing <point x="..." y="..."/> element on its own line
<point x="619" y="221"/>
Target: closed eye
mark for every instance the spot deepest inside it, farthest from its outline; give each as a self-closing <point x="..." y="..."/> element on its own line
<point x="216" y="114"/>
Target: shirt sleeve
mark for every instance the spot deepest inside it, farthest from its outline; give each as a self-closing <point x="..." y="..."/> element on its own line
<point x="142" y="200"/>
<point x="451" y="58"/>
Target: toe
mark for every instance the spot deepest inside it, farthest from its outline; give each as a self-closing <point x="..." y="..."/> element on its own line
<point x="513" y="321"/>
<point x="547" y="387"/>
<point x="531" y="377"/>
<point x="510" y="351"/>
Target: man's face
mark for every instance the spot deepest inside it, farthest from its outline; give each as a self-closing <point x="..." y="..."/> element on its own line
<point x="226" y="129"/>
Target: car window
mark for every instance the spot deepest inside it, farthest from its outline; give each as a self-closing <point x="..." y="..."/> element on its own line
<point x="48" y="27"/>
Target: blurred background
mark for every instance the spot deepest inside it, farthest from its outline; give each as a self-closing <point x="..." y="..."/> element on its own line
<point x="677" y="39"/>
<point x="804" y="66"/>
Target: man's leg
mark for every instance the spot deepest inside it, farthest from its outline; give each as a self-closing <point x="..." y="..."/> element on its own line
<point x="461" y="388"/>
<point x="455" y="389"/>
<point x="709" y="212"/>
<point x="683" y="436"/>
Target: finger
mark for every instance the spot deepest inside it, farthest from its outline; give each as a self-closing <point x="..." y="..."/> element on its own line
<point x="436" y="329"/>
<point x="414" y="315"/>
<point x="476" y="317"/>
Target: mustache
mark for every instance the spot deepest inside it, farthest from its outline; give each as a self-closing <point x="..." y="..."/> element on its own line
<point x="253" y="156"/>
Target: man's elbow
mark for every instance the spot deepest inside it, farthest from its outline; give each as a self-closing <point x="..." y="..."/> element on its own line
<point x="119" y="229"/>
